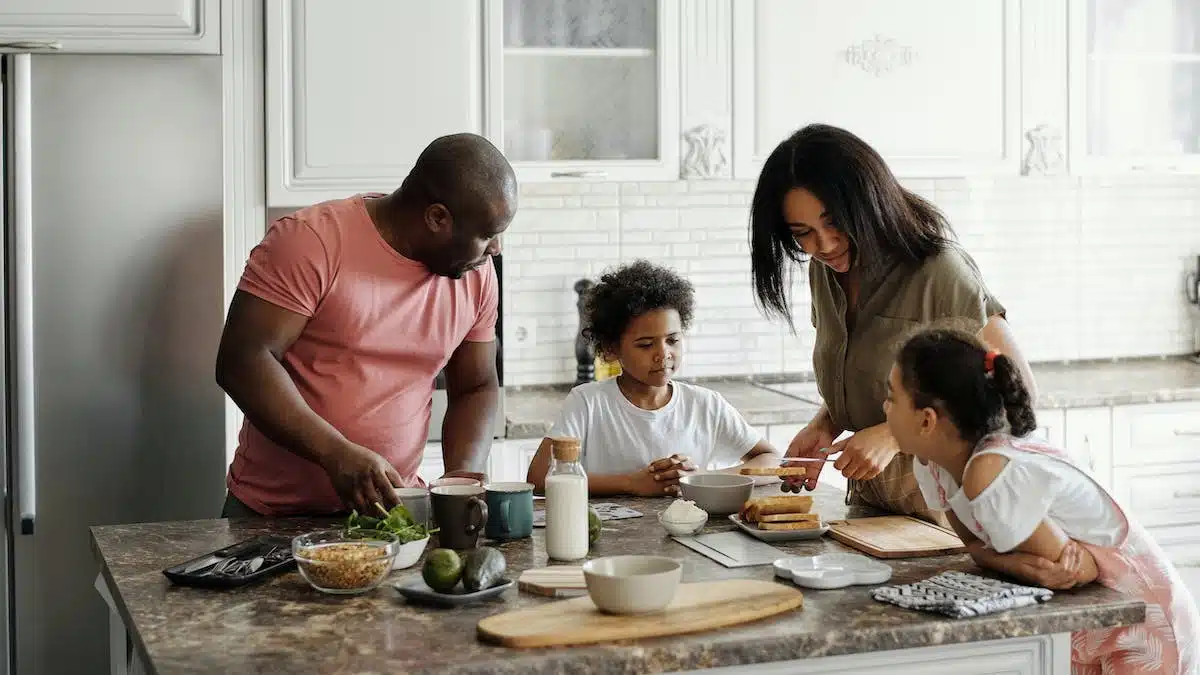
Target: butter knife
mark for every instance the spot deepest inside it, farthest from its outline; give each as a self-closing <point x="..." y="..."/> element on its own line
<point x="206" y="561"/>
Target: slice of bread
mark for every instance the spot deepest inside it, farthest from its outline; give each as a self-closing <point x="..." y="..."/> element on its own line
<point x="754" y="509"/>
<point x="773" y="471"/>
<point x="798" y="525"/>
<point x="788" y="517"/>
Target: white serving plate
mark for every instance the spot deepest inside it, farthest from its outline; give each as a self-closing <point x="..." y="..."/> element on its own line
<point x="832" y="570"/>
<point x="779" y="535"/>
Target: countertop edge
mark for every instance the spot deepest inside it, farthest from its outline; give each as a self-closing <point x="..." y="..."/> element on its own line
<point x="131" y="632"/>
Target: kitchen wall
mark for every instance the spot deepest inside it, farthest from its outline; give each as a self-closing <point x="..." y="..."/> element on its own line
<point x="1087" y="267"/>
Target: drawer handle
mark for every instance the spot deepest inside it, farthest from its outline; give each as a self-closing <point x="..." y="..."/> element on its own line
<point x="30" y="45"/>
<point x="578" y="174"/>
<point x="1187" y="432"/>
<point x="1180" y="494"/>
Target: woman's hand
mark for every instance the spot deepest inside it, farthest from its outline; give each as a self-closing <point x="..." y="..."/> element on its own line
<point x="866" y="453"/>
<point x="811" y="441"/>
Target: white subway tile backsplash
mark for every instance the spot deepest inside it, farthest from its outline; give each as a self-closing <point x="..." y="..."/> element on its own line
<point x="1087" y="267"/>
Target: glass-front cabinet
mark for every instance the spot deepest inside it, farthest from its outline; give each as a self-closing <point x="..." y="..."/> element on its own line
<point x="1135" y="85"/>
<point x="585" y="89"/>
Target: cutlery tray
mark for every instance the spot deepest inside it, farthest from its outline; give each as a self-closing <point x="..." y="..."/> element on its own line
<point x="235" y="565"/>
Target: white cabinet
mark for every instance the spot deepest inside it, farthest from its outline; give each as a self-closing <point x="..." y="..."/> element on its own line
<point x="1135" y="74"/>
<point x="1087" y="437"/>
<point x="933" y="85"/>
<point x="115" y="26"/>
<point x="579" y="89"/>
<point x="431" y="467"/>
<point x="1050" y="423"/>
<point x="357" y="89"/>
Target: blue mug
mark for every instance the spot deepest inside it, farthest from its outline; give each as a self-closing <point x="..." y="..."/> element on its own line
<point x="510" y="510"/>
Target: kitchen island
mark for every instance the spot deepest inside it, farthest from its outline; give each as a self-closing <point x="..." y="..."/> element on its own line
<point x="284" y="626"/>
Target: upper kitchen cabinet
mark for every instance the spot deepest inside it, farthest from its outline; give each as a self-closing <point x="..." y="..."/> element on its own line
<point x="934" y="85"/>
<point x="356" y="89"/>
<point x="1135" y="85"/>
<point x="112" y="26"/>
<point x="585" y="89"/>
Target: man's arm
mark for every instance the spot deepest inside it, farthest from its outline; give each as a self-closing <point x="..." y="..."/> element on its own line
<point x="249" y="368"/>
<point x="472" y="395"/>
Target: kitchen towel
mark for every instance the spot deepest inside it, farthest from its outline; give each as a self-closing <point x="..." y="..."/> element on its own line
<point x="961" y="595"/>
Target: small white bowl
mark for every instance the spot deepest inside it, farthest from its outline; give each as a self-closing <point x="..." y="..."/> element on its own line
<point x="632" y="584"/>
<point x="682" y="528"/>
<point x="409" y="553"/>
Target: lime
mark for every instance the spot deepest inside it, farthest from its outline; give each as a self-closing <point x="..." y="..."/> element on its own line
<point x="442" y="570"/>
<point x="593" y="527"/>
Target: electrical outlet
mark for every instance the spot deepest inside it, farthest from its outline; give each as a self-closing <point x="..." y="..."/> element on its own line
<point x="523" y="333"/>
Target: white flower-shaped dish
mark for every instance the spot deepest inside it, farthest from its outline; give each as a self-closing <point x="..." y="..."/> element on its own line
<point x="832" y="570"/>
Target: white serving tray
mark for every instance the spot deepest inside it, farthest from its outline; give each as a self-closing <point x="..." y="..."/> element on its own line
<point x="832" y="570"/>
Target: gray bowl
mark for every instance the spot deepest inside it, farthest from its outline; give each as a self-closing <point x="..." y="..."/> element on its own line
<point x="718" y="493"/>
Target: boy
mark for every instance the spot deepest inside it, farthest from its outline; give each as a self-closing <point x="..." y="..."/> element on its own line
<point x="641" y="431"/>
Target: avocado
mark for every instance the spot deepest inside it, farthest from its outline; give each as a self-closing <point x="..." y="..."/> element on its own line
<point x="442" y="570"/>
<point x="593" y="527"/>
<point x="483" y="569"/>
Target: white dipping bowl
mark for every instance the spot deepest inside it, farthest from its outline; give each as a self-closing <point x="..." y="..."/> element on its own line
<point x="683" y="528"/>
<point x="409" y="553"/>
<point x="720" y="494"/>
<point x="632" y="584"/>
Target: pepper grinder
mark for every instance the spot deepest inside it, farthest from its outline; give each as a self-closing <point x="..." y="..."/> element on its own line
<point x="585" y="353"/>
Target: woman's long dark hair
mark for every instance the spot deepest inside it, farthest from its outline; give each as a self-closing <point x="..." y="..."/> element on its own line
<point x="883" y="221"/>
<point x="945" y="369"/>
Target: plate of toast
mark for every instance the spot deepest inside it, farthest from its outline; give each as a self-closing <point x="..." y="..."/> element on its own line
<point x="780" y="518"/>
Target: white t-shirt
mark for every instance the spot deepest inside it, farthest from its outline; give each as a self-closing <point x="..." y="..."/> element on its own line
<point x="1031" y="487"/>
<point x="619" y="437"/>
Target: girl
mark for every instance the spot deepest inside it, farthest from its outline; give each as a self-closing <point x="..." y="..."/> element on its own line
<point x="641" y="430"/>
<point x="881" y="260"/>
<point x="1023" y="508"/>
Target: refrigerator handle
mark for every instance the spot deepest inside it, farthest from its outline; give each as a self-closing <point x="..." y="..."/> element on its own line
<point x="21" y="205"/>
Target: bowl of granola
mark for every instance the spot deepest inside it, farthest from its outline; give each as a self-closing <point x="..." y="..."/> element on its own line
<point x="345" y="562"/>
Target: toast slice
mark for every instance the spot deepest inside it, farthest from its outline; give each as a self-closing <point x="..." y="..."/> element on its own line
<point x="773" y="471"/>
<point x="788" y="517"/>
<point x="798" y="525"/>
<point x="754" y="509"/>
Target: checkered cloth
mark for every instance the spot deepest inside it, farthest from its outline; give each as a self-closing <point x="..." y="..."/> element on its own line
<point x="961" y="595"/>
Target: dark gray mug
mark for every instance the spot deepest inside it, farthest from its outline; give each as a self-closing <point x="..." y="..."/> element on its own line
<point x="460" y="514"/>
<point x="510" y="510"/>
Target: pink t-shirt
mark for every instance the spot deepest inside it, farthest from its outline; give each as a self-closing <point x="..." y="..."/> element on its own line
<point x="381" y="326"/>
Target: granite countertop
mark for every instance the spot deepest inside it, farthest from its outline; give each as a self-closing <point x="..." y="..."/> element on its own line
<point x="765" y="401"/>
<point x="284" y="626"/>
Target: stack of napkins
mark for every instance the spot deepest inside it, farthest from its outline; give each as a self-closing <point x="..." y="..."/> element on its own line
<point x="961" y="595"/>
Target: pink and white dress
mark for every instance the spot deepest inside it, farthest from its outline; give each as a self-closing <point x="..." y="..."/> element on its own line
<point x="1041" y="482"/>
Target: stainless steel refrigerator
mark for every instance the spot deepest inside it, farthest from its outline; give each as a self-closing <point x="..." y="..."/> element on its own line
<point x="112" y="307"/>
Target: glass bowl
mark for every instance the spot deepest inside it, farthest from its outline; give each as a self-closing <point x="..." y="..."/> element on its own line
<point x="345" y="562"/>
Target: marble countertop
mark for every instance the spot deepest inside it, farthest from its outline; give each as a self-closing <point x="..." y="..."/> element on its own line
<point x="531" y="411"/>
<point x="284" y="626"/>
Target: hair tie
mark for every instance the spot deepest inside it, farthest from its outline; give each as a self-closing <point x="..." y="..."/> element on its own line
<point x="989" y="361"/>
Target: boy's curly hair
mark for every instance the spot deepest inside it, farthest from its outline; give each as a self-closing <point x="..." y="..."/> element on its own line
<point x="628" y="292"/>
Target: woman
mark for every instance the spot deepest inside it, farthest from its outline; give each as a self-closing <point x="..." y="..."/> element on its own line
<point x="886" y="262"/>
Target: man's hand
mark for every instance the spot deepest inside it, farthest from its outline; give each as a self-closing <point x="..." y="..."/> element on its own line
<point x="866" y="453"/>
<point x="362" y="477"/>
<point x="812" y="441"/>
<point x="660" y="477"/>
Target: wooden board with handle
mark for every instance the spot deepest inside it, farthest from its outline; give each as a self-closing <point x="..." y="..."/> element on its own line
<point x="896" y="537"/>
<point x="696" y="607"/>
<point x="556" y="581"/>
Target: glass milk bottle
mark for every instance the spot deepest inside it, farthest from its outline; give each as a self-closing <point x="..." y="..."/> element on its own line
<point x="566" y="502"/>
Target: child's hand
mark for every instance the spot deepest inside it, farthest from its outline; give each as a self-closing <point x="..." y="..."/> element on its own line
<point x="1058" y="575"/>
<point x="660" y="477"/>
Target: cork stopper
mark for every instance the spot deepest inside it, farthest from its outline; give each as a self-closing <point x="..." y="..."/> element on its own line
<point x="565" y="449"/>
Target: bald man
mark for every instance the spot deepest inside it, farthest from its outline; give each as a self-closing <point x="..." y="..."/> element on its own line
<point x="345" y="313"/>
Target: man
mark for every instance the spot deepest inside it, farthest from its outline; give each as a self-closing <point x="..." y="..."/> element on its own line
<point x="343" y="317"/>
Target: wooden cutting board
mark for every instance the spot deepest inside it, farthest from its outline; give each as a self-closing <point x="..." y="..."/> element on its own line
<point x="896" y="537"/>
<point x="557" y="581"/>
<point x="697" y="607"/>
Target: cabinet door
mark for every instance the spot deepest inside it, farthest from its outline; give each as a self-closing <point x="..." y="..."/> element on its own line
<point x="580" y="89"/>
<point x="115" y="26"/>
<point x="1087" y="437"/>
<point x="1050" y="426"/>
<point x="357" y="89"/>
<point x="1135" y="86"/>
<point x="933" y="85"/>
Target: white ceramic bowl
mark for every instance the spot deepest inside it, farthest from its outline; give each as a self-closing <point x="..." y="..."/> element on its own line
<point x="408" y="554"/>
<point x="720" y="494"/>
<point x="632" y="584"/>
<point x="683" y="528"/>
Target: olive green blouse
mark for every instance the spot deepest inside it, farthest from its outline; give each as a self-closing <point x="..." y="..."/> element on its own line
<point x="852" y="369"/>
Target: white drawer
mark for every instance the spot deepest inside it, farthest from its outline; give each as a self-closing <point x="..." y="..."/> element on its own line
<point x="1156" y="433"/>
<point x="1181" y="543"/>
<point x="1161" y="494"/>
